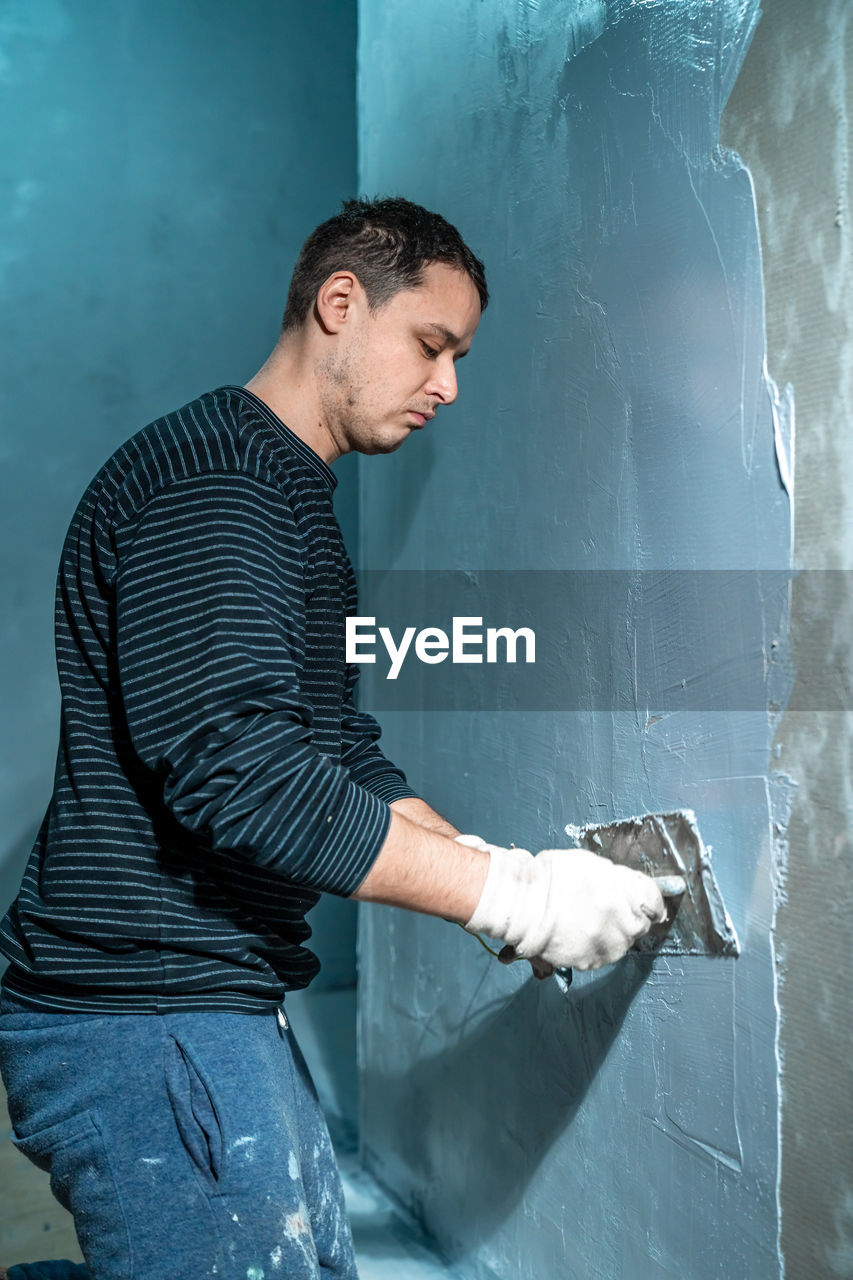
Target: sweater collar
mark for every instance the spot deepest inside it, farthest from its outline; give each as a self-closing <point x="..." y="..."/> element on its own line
<point x="296" y="442"/>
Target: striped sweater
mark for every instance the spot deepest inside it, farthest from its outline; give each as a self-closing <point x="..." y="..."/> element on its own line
<point x="213" y="773"/>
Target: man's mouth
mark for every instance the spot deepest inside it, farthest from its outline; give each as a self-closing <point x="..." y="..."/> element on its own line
<point x="421" y="418"/>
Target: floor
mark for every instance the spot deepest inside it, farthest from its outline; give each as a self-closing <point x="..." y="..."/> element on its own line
<point x="33" y="1227"/>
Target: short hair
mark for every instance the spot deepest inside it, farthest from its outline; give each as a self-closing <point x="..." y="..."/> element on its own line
<point x="386" y="243"/>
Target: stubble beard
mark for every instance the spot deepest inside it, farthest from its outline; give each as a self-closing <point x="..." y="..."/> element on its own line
<point x="340" y="402"/>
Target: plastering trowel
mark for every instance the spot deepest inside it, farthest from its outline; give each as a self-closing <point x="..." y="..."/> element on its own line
<point x="668" y="847"/>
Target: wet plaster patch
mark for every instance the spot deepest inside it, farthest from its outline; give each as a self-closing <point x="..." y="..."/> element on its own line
<point x="789" y="118"/>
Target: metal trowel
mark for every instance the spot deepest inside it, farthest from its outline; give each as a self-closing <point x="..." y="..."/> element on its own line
<point x="668" y="847"/>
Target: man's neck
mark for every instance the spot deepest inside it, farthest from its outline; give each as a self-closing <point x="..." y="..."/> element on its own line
<point x="286" y="384"/>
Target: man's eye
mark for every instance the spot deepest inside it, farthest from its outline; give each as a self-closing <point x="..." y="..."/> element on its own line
<point x="429" y="352"/>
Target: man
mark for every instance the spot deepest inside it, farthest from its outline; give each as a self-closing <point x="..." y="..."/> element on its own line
<point x="214" y="776"/>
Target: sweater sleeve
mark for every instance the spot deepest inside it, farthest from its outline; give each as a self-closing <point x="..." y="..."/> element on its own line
<point x="367" y="764"/>
<point x="209" y="627"/>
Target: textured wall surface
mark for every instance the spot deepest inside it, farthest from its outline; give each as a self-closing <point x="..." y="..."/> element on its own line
<point x="614" y="414"/>
<point x="789" y="116"/>
<point x="160" y="167"/>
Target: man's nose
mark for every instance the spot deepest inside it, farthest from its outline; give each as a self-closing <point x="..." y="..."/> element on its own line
<point x="442" y="381"/>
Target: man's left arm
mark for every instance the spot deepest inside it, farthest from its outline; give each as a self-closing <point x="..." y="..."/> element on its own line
<point x="417" y="810"/>
<point x="371" y="769"/>
<point x="361" y="754"/>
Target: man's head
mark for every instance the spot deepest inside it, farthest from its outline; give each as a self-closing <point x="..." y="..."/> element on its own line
<point x="384" y="298"/>
<point x="386" y="244"/>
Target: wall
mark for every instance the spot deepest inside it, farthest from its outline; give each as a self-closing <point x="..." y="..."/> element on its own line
<point x="789" y="116"/>
<point x="614" y="414"/>
<point x="161" y="166"/>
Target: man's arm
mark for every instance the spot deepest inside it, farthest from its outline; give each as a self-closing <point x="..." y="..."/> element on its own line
<point x="361" y="754"/>
<point x="210" y="634"/>
<point x="419" y="811"/>
<point x="424" y="869"/>
<point x="563" y="908"/>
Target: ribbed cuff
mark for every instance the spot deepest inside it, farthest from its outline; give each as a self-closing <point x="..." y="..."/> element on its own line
<point x="390" y="787"/>
<point x="380" y="777"/>
<point x="357" y="831"/>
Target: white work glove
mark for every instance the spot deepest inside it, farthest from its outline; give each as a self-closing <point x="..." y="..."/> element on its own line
<point x="565" y="908"/>
<point x="473" y="842"/>
<point x="507" y="955"/>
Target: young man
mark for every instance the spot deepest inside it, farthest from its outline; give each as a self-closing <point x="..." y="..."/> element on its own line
<point x="214" y="776"/>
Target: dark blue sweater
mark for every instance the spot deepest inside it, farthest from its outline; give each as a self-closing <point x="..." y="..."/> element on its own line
<point x="213" y="773"/>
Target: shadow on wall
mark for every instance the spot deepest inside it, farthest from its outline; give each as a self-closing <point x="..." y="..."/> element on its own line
<point x="502" y="1095"/>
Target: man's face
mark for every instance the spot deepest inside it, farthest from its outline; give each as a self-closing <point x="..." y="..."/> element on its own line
<point x="394" y="368"/>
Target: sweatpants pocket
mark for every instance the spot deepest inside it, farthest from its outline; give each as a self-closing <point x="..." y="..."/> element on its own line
<point x="195" y="1114"/>
<point x="73" y="1152"/>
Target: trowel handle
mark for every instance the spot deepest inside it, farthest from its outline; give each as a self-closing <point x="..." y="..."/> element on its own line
<point x="671" y="886"/>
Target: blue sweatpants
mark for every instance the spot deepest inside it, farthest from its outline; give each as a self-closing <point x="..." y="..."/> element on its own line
<point x="185" y="1145"/>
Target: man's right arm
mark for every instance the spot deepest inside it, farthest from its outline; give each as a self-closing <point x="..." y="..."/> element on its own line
<point x="208" y="638"/>
<point x="568" y="908"/>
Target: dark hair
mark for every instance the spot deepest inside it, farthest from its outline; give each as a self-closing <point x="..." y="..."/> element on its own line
<point x="386" y="243"/>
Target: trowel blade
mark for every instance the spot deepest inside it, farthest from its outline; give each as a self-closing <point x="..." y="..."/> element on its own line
<point x="669" y="844"/>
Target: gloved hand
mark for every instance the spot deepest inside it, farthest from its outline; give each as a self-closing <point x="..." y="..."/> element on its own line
<point x="565" y="908"/>
<point x="507" y="955"/>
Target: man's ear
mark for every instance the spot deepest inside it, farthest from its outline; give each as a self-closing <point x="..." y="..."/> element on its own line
<point x="336" y="299"/>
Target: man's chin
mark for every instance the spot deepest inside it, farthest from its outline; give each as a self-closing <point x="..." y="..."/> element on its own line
<point x="385" y="444"/>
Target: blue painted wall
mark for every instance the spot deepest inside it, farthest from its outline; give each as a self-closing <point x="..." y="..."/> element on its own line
<point x="160" y="166"/>
<point x="614" y="414"/>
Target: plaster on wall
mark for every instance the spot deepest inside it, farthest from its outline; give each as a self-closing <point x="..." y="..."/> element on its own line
<point x="614" y="413"/>
<point x="789" y="116"/>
